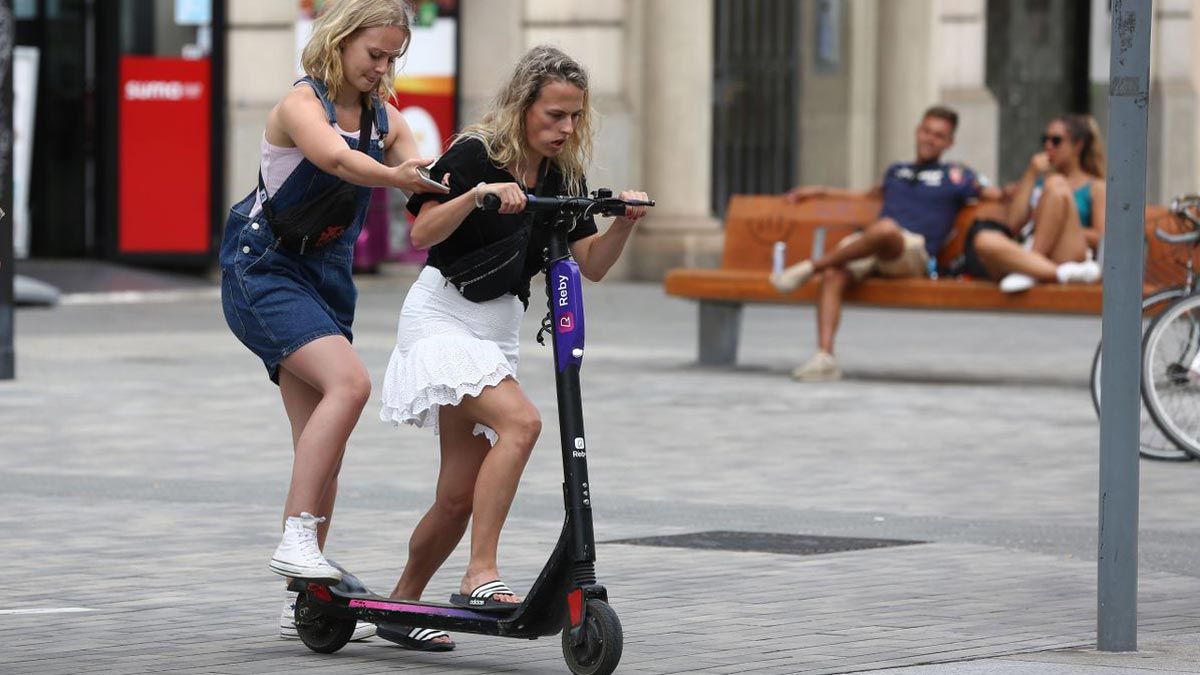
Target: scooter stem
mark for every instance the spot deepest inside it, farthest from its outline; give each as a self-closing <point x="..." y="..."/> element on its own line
<point x="565" y="294"/>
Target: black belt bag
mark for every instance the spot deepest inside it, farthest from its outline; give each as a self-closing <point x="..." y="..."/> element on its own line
<point x="490" y="272"/>
<point x="320" y="219"/>
<point x="497" y="268"/>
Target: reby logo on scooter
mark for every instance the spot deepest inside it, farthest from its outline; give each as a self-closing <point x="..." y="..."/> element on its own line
<point x="566" y="321"/>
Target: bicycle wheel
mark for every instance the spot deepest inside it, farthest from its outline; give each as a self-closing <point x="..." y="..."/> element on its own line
<point x="1171" y="373"/>
<point x="1152" y="442"/>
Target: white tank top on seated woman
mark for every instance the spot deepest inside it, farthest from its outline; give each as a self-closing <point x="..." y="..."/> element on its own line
<point x="278" y="162"/>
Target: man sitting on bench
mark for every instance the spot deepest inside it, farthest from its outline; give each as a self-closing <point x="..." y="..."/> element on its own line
<point x="920" y="202"/>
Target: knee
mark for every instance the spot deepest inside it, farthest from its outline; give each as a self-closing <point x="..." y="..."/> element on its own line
<point x="1056" y="185"/>
<point x="886" y="228"/>
<point x="890" y="237"/>
<point x="988" y="241"/>
<point x="354" y="387"/>
<point x="524" y="428"/>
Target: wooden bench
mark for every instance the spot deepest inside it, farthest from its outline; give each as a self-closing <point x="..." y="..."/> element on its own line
<point x="754" y="223"/>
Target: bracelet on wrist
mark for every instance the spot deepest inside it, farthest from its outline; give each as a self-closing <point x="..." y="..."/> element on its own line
<point x="477" y="196"/>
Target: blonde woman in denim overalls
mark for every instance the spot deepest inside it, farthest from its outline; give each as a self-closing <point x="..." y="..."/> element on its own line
<point x="294" y="307"/>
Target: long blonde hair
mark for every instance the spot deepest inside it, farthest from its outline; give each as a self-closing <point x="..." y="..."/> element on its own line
<point x="340" y="19"/>
<point x="502" y="127"/>
<point x="1083" y="128"/>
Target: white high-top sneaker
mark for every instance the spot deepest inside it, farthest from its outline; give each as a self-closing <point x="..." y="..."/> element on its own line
<point x="298" y="555"/>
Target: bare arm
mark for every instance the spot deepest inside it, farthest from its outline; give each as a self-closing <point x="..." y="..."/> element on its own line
<point x="1018" y="208"/>
<point x="299" y="120"/>
<point x="597" y="254"/>
<point x="991" y="193"/>
<point x="437" y="221"/>
<point x="803" y="192"/>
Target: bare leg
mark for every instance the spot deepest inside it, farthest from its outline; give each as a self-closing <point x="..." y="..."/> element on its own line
<point x="475" y="481"/>
<point x="1057" y="232"/>
<point x="834" y="282"/>
<point x="1002" y="255"/>
<point x="882" y="238"/>
<point x="507" y="410"/>
<point x="330" y="367"/>
<point x="299" y="400"/>
<point x="442" y="527"/>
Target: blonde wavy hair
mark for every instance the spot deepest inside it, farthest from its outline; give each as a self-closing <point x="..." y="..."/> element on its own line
<point x="338" y="21"/>
<point x="502" y="127"/>
<point x="1083" y="129"/>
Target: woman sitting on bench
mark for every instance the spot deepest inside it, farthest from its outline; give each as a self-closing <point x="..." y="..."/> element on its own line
<point x="1056" y="214"/>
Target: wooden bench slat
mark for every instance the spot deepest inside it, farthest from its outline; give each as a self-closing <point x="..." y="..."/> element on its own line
<point x="754" y="223"/>
<point x="753" y="286"/>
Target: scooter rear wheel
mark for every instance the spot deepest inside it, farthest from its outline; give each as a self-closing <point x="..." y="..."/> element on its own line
<point x="600" y="650"/>
<point x="319" y="632"/>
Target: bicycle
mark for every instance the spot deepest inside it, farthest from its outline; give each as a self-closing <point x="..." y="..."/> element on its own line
<point x="1169" y="431"/>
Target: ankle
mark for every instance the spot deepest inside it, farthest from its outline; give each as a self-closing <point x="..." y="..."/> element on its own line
<point x="479" y="575"/>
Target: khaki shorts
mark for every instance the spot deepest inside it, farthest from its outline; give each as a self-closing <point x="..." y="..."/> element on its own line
<point x="913" y="262"/>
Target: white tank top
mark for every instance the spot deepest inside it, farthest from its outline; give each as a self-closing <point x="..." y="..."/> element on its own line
<point x="278" y="162"/>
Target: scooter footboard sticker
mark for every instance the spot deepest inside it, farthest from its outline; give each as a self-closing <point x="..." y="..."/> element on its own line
<point x="418" y="609"/>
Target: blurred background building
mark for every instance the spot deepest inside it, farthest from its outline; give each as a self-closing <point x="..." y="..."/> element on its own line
<point x="145" y="116"/>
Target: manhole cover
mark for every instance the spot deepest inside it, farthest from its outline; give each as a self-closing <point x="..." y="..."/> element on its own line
<point x="765" y="542"/>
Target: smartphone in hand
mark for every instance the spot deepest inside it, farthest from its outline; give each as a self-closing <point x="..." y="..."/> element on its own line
<point x="430" y="183"/>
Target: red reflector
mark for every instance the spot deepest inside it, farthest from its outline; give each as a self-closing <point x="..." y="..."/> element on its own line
<point x="575" y="606"/>
<point x="321" y="592"/>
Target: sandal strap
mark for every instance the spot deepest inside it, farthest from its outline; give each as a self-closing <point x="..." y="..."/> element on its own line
<point x="426" y="634"/>
<point x="494" y="587"/>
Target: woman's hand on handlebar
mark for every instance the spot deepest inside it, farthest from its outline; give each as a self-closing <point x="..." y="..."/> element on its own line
<point x="409" y="178"/>
<point x="511" y="196"/>
<point x="634" y="213"/>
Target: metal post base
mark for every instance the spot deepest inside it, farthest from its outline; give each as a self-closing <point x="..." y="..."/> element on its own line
<point x="720" y="326"/>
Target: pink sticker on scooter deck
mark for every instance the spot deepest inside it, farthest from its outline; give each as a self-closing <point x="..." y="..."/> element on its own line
<point x="416" y="609"/>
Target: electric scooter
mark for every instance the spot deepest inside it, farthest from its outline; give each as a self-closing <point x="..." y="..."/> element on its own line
<point x="566" y="597"/>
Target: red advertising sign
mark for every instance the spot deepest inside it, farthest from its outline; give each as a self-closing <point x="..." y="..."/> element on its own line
<point x="165" y="155"/>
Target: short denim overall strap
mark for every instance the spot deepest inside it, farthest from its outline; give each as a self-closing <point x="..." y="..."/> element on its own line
<point x="307" y="179"/>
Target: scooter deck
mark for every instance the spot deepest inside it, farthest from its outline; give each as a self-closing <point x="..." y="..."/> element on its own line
<point x="543" y="612"/>
<point x="359" y="597"/>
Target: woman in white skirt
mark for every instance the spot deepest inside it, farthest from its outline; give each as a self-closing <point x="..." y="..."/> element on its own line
<point x="454" y="367"/>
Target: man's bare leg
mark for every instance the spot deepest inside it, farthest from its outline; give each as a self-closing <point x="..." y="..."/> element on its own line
<point x="884" y="238"/>
<point x="834" y="281"/>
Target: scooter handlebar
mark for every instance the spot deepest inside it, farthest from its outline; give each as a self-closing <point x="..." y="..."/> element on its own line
<point x="604" y="206"/>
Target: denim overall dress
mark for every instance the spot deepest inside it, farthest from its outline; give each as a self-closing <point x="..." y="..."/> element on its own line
<point x="275" y="300"/>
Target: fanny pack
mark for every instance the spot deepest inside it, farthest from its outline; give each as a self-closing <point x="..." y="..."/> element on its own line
<point x="497" y="268"/>
<point x="321" y="218"/>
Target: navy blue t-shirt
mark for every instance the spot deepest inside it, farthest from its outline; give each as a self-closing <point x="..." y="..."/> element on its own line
<point x="925" y="198"/>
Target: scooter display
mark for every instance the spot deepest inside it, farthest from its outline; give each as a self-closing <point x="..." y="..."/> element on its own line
<point x="566" y="597"/>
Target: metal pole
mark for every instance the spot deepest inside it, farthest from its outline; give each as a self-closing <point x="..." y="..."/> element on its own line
<point x="1128" y="99"/>
<point x="8" y="36"/>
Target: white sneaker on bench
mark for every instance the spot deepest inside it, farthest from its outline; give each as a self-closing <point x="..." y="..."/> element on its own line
<point x="1017" y="283"/>
<point x="793" y="277"/>
<point x="1086" y="272"/>
<point x="822" y="367"/>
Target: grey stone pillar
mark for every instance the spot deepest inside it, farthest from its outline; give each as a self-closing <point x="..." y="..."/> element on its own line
<point x="677" y="131"/>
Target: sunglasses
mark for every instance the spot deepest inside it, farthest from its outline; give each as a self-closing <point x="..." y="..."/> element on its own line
<point x="1053" y="140"/>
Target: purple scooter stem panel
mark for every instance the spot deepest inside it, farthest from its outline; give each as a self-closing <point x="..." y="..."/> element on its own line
<point x="392" y="606"/>
<point x="567" y="302"/>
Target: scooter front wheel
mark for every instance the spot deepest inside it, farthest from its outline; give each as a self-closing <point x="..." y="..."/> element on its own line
<point x="319" y="632"/>
<point x="600" y="649"/>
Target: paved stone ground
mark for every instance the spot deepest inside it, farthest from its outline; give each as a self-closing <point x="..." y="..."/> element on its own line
<point x="145" y="458"/>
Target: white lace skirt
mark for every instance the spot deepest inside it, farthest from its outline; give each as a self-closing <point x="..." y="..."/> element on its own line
<point x="447" y="347"/>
